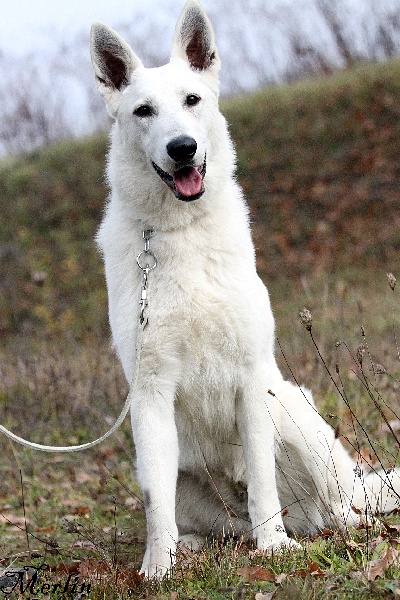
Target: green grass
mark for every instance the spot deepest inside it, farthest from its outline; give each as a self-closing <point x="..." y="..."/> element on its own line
<point x="318" y="161"/>
<point x="319" y="164"/>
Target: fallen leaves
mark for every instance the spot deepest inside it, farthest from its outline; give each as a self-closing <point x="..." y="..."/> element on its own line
<point x="386" y="549"/>
<point x="378" y="567"/>
<point x="251" y="574"/>
<point x="312" y="570"/>
<point x="95" y="571"/>
<point x="82" y="511"/>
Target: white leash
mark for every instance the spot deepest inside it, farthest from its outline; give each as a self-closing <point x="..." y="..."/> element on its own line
<point x="146" y="268"/>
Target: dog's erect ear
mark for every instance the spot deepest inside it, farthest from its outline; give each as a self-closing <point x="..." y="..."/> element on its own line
<point x="194" y="39"/>
<point x="113" y="63"/>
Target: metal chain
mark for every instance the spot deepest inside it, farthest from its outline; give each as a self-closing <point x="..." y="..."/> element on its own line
<point x="149" y="266"/>
<point x="142" y="261"/>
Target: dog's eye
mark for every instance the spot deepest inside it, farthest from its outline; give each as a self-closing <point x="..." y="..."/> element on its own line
<point x="192" y="100"/>
<point x="144" y="110"/>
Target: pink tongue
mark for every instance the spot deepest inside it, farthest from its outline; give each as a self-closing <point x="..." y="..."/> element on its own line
<point x="188" y="181"/>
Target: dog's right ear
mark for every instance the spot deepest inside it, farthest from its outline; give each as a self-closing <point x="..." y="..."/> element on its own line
<point x="113" y="62"/>
<point x="194" y="40"/>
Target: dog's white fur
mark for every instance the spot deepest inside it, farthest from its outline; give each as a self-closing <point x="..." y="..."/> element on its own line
<point x="217" y="452"/>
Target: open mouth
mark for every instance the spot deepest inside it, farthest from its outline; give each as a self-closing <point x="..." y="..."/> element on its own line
<point x="186" y="183"/>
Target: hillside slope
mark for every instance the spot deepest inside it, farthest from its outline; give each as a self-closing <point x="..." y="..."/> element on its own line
<point x="318" y="161"/>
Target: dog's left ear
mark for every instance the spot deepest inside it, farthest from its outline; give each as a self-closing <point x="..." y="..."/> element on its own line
<point x="194" y="40"/>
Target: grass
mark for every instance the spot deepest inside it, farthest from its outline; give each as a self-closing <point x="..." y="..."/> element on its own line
<point x="318" y="161"/>
<point x="82" y="514"/>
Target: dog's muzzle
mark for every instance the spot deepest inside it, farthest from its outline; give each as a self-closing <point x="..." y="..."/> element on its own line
<point x="187" y="180"/>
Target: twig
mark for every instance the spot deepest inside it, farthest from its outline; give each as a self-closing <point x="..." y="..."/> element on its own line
<point x="23" y="506"/>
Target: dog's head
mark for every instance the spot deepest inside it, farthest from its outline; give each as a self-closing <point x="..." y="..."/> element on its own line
<point x="165" y="114"/>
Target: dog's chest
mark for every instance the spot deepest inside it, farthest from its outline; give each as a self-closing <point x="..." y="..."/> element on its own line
<point x="215" y="333"/>
<point x="211" y="359"/>
<point x="208" y="317"/>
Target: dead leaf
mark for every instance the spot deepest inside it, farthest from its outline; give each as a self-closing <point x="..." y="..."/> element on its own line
<point x="378" y="567"/>
<point x="71" y="518"/>
<point x="131" y="577"/>
<point x="364" y="458"/>
<point x="63" y="568"/>
<point x="82" y="511"/>
<point x="45" y="529"/>
<point x="313" y="570"/>
<point x="325" y="533"/>
<point x="250" y="574"/>
<point x="352" y="545"/>
<point x="356" y="510"/>
<point x="93" y="569"/>
<point x="392" y="530"/>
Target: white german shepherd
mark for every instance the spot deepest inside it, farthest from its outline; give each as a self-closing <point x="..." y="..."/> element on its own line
<point x="224" y="445"/>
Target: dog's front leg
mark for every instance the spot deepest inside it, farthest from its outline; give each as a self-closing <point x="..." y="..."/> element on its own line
<point x="156" y="442"/>
<point x="257" y="431"/>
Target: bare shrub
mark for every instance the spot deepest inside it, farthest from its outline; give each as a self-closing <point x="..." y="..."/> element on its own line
<point x="44" y="100"/>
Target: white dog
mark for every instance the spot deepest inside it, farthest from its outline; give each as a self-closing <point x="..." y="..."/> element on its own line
<point x="224" y="445"/>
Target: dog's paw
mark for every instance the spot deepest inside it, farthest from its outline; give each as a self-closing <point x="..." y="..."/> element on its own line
<point x="154" y="570"/>
<point x="279" y="542"/>
<point x="283" y="545"/>
<point x="158" y="562"/>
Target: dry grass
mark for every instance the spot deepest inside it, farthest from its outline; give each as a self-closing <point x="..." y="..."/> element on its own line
<point x="84" y="510"/>
<point x="60" y="385"/>
<point x="319" y="165"/>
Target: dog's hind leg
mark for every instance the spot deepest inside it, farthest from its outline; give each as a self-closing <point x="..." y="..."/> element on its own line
<point x="316" y="476"/>
<point x="378" y="491"/>
<point x="208" y="509"/>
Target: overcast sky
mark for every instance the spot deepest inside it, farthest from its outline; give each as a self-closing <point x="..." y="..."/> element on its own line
<point x="34" y="25"/>
<point x="261" y="35"/>
<point x="29" y="25"/>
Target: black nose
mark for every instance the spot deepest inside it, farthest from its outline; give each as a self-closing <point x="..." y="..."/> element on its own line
<point x="182" y="148"/>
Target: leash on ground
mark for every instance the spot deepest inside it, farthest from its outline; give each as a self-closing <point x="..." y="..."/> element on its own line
<point x="145" y="266"/>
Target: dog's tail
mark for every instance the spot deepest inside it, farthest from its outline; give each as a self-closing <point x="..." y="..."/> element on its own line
<point x="378" y="491"/>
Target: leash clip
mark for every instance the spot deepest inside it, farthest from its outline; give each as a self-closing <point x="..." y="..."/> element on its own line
<point x="146" y="261"/>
